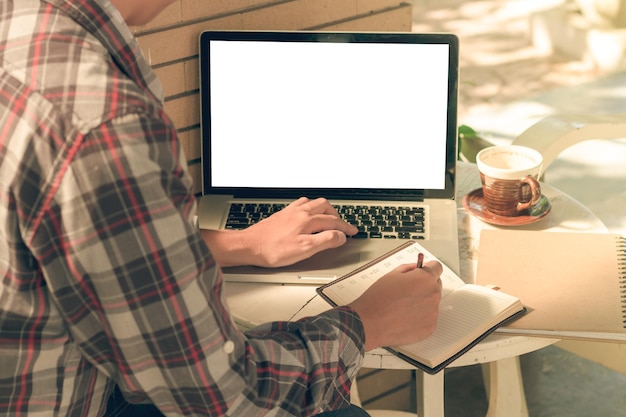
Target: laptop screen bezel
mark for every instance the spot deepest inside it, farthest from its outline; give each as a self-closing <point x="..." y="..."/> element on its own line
<point x="448" y="192"/>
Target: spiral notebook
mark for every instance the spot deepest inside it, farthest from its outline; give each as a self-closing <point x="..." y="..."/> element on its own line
<point x="573" y="284"/>
<point x="467" y="314"/>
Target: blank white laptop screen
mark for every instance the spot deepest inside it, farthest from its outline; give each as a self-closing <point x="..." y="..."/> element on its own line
<point x="314" y="112"/>
<point x="328" y="115"/>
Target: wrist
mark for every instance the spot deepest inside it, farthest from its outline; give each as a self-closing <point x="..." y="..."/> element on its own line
<point x="369" y="328"/>
<point x="230" y="247"/>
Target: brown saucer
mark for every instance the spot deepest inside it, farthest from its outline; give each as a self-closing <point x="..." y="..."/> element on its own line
<point x="474" y="203"/>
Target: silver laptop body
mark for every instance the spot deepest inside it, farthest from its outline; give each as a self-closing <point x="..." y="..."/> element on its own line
<point x="362" y="119"/>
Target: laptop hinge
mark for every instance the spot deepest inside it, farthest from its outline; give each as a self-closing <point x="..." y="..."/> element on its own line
<point x="413" y="195"/>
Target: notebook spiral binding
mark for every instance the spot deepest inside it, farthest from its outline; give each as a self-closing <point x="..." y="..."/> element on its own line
<point x="621" y="271"/>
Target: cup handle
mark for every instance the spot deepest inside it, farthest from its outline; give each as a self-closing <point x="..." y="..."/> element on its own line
<point x="535" y="190"/>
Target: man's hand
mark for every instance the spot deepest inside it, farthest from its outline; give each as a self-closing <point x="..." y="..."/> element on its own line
<point x="297" y="232"/>
<point x="402" y="307"/>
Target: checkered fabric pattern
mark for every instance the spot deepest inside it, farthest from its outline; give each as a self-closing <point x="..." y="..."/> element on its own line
<point x="103" y="278"/>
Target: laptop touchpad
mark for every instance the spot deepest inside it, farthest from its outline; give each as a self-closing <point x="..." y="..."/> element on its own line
<point x="331" y="262"/>
<point x="339" y="259"/>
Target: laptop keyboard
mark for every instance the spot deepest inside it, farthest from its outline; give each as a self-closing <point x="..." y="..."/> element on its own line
<point x="375" y="222"/>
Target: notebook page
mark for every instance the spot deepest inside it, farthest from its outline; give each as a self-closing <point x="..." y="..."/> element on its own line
<point x="347" y="290"/>
<point x="463" y="317"/>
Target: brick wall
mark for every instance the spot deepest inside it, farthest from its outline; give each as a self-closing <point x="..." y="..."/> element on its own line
<point x="170" y="42"/>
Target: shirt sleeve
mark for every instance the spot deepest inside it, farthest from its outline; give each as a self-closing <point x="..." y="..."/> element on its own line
<point x="142" y="296"/>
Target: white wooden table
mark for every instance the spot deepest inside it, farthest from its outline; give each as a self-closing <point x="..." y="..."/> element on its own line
<point x="251" y="304"/>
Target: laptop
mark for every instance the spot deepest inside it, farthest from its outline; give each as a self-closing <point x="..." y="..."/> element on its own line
<point x="366" y="120"/>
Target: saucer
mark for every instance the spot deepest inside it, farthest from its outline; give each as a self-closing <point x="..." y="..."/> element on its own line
<point x="474" y="203"/>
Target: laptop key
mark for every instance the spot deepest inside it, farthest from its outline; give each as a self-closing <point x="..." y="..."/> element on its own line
<point x="360" y="235"/>
<point x="405" y="229"/>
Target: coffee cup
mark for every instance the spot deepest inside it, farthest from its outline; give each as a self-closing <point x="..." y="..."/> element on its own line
<point x="509" y="178"/>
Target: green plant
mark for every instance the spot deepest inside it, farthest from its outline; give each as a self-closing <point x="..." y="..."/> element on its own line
<point x="469" y="144"/>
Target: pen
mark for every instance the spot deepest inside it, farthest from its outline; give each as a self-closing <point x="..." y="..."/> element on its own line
<point x="420" y="259"/>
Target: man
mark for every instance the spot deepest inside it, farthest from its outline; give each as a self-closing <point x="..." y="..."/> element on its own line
<point x="106" y="284"/>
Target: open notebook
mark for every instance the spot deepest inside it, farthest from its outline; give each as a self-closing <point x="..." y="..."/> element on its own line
<point x="467" y="313"/>
<point x="363" y="119"/>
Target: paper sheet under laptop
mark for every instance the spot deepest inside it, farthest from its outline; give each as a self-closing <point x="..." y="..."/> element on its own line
<point x="347" y="116"/>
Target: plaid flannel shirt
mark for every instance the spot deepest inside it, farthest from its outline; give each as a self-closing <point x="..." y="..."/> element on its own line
<point x="104" y="280"/>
